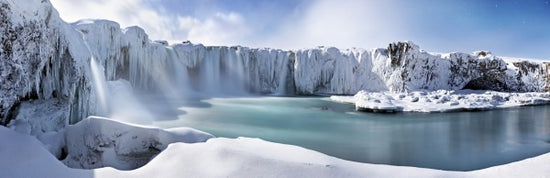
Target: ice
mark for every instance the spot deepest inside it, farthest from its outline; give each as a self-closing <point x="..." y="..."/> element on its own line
<point x="42" y="57"/>
<point x="441" y="100"/>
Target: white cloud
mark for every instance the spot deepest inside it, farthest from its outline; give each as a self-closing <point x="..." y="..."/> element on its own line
<point x="344" y="24"/>
<point x="217" y="29"/>
<point x="220" y="29"/>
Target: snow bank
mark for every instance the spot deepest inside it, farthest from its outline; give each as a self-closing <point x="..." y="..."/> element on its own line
<point x="441" y="100"/>
<point x="24" y="156"/>
<point x="241" y="157"/>
<point x="99" y="142"/>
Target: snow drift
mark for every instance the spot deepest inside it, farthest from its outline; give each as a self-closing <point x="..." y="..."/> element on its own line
<point x="98" y="142"/>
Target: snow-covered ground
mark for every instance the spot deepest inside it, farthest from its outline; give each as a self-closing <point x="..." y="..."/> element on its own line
<point x="441" y="100"/>
<point x="26" y="156"/>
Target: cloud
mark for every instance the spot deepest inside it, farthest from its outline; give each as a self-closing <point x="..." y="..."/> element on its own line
<point x="442" y="26"/>
<point x="220" y="28"/>
<point x="344" y="24"/>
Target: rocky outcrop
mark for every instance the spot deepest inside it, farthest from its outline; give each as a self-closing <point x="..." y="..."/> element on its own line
<point x="414" y="69"/>
<point x="99" y="142"/>
<point x="41" y="57"/>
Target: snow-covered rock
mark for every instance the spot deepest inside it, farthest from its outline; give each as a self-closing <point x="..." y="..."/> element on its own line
<point x="41" y="57"/>
<point x="441" y="100"/>
<point x="36" y="117"/>
<point x="100" y="142"/>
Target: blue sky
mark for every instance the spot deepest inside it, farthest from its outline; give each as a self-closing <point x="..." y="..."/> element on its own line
<point x="507" y="28"/>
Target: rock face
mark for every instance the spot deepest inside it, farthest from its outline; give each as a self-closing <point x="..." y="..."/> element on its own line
<point x="42" y="57"/>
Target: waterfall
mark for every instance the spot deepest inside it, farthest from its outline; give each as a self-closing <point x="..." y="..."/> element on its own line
<point x="99" y="85"/>
<point x="282" y="85"/>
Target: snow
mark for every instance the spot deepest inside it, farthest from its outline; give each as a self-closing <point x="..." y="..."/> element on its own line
<point x="224" y="157"/>
<point x="100" y="142"/>
<point x="40" y="116"/>
<point x="441" y="100"/>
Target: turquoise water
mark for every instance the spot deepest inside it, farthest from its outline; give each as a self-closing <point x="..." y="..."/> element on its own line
<point x="451" y="141"/>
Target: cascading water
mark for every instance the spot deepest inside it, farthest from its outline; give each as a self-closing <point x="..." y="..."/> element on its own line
<point x="211" y="74"/>
<point x="100" y="86"/>
<point x="282" y="85"/>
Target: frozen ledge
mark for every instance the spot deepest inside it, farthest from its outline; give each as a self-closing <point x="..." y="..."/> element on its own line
<point x="25" y="156"/>
<point x="441" y="100"/>
<point x="98" y="142"/>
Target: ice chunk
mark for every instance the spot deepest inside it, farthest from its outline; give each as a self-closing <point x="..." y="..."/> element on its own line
<point x="441" y="100"/>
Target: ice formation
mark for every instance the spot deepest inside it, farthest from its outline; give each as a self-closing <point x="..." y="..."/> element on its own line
<point x="100" y="142"/>
<point x="41" y="57"/>
<point x="129" y="54"/>
<point x="441" y="100"/>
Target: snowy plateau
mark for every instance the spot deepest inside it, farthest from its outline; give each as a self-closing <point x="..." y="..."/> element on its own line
<point x="54" y="76"/>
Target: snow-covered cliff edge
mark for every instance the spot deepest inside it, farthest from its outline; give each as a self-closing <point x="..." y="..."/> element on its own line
<point x="402" y="66"/>
<point x="44" y="58"/>
<point x="41" y="57"/>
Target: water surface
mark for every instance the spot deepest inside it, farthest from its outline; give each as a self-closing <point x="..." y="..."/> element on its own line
<point x="451" y="141"/>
